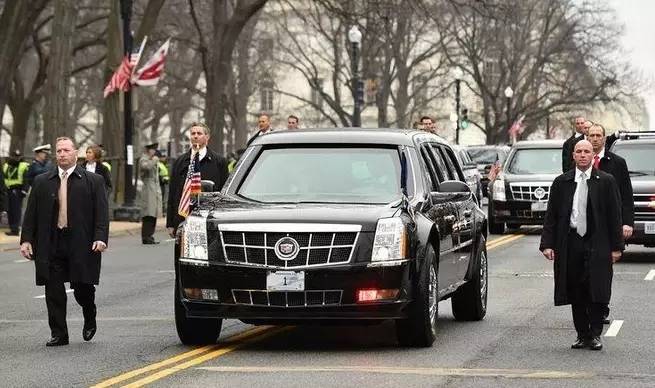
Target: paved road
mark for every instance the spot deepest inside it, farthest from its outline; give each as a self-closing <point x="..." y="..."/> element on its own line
<point x="523" y="341"/>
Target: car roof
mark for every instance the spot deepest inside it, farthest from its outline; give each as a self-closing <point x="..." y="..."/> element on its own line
<point x="488" y="146"/>
<point x="389" y="136"/>
<point x="556" y="143"/>
<point x="645" y="140"/>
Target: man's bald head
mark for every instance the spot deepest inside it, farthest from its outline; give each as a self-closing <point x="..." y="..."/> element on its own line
<point x="583" y="153"/>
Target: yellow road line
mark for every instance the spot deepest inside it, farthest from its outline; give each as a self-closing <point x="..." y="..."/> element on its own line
<point x="499" y="239"/>
<point x="460" y="372"/>
<point x="205" y="357"/>
<point x="172" y="360"/>
<point x="496" y="243"/>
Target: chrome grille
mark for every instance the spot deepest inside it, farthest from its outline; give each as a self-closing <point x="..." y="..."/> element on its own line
<point x="287" y="298"/>
<point x="254" y="244"/>
<point x="525" y="192"/>
<point x="529" y="214"/>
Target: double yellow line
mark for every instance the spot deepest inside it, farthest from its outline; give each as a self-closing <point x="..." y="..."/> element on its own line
<point x="495" y="243"/>
<point x="193" y="357"/>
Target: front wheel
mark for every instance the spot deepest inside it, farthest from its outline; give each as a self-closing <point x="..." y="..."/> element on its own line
<point x="469" y="302"/>
<point x="194" y="331"/>
<point x="420" y="328"/>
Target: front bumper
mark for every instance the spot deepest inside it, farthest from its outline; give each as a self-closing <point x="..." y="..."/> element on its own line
<point x="329" y="294"/>
<point x="517" y="212"/>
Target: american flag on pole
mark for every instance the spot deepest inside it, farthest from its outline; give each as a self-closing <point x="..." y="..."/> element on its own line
<point x="516" y="128"/>
<point x="120" y="80"/>
<point x="192" y="186"/>
<point x="152" y="71"/>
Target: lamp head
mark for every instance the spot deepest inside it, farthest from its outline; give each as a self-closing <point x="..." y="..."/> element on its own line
<point x="354" y="35"/>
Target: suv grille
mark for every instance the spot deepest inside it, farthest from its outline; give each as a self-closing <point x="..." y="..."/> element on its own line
<point x="287" y="298"/>
<point x="314" y="248"/>
<point x="526" y="192"/>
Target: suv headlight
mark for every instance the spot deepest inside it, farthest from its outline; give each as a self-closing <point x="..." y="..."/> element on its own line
<point x="193" y="243"/>
<point x="390" y="241"/>
<point x="498" y="190"/>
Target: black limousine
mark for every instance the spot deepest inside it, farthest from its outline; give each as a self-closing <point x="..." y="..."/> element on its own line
<point x="334" y="226"/>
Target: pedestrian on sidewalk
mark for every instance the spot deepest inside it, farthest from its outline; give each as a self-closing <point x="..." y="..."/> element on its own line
<point x="14" y="171"/>
<point x="150" y="193"/>
<point x="65" y="231"/>
<point x="93" y="163"/>
<point x="211" y="165"/>
<point x="582" y="234"/>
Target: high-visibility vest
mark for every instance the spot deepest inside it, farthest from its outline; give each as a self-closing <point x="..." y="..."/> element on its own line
<point x="231" y="165"/>
<point x="163" y="172"/>
<point x="14" y="174"/>
<point x="108" y="165"/>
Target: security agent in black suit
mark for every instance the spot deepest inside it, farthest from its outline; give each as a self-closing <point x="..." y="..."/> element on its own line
<point x="65" y="230"/>
<point x="582" y="235"/>
<point x="581" y="128"/>
<point x="213" y="167"/>
<point x="616" y="166"/>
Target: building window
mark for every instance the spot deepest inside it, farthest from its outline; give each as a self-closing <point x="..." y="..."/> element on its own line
<point x="267" y="96"/>
<point x="316" y="87"/>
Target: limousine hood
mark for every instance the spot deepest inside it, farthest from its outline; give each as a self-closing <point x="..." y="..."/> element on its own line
<point x="221" y="209"/>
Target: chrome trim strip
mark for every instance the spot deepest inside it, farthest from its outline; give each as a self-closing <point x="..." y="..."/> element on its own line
<point x="286" y="297"/>
<point x="530" y="184"/>
<point x="289" y="227"/>
<point x="392" y="263"/>
<point x="201" y="263"/>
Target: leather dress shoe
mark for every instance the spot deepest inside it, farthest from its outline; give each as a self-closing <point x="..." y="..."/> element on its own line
<point x="150" y="242"/>
<point x="580" y="343"/>
<point x="89" y="328"/>
<point x="595" y="344"/>
<point x="57" y="341"/>
<point x="606" y="321"/>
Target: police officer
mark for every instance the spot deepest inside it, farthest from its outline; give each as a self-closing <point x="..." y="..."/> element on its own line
<point x="14" y="171"/>
<point x="164" y="178"/>
<point x="149" y="197"/>
<point x="40" y="164"/>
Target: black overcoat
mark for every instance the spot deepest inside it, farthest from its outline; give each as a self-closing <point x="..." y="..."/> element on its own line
<point x="88" y="220"/>
<point x="606" y="232"/>
<point x="616" y="166"/>
<point x="213" y="167"/>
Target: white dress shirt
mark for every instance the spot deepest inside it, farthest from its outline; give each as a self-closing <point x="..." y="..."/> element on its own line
<point x="91" y="166"/>
<point x="68" y="172"/>
<point x="574" y="211"/>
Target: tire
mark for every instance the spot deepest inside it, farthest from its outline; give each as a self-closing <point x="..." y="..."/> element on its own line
<point x="194" y="331"/>
<point x="494" y="227"/>
<point x="469" y="302"/>
<point x="420" y="328"/>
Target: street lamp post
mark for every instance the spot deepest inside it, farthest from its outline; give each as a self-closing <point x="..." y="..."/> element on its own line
<point x="127" y="211"/>
<point x="547" y="102"/>
<point x="457" y="72"/>
<point x="355" y="38"/>
<point x="508" y="95"/>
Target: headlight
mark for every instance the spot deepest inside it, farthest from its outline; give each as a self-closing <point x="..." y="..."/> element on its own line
<point x="390" y="241"/>
<point x="193" y="244"/>
<point x="499" y="190"/>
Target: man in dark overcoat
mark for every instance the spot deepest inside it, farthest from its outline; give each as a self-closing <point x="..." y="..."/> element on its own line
<point x="582" y="234"/>
<point x="613" y="164"/>
<point x="212" y="167"/>
<point x="581" y="126"/>
<point x="65" y="230"/>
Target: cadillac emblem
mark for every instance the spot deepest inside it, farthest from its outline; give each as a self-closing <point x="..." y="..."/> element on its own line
<point x="287" y="248"/>
<point x="539" y="193"/>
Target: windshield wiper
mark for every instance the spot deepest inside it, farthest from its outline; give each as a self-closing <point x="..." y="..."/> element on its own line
<point x="637" y="173"/>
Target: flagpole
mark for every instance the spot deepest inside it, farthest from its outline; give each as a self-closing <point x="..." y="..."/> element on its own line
<point x="127" y="212"/>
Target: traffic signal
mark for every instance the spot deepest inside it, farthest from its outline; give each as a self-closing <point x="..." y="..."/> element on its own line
<point x="464" y="120"/>
<point x="359" y="92"/>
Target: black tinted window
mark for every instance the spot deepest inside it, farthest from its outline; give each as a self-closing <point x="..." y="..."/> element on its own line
<point x="638" y="157"/>
<point x="428" y="160"/>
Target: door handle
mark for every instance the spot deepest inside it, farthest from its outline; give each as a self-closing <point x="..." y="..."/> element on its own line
<point x="467" y="213"/>
<point x="449" y="218"/>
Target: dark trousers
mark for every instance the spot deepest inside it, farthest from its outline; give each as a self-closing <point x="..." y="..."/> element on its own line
<point x="55" y="292"/>
<point x="14" y="209"/>
<point x="148" y="225"/>
<point x="587" y="316"/>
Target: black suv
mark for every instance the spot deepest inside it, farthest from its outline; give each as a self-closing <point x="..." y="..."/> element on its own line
<point x="334" y="226"/>
<point x="638" y="150"/>
<point x="519" y="195"/>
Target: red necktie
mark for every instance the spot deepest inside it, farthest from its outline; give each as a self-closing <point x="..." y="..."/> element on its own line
<point x="596" y="162"/>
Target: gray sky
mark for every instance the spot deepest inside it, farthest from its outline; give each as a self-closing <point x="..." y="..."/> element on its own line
<point x="638" y="16"/>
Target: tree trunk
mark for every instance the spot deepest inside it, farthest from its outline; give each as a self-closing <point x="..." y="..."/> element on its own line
<point x="16" y="22"/>
<point x="59" y="68"/>
<point x="21" y="116"/>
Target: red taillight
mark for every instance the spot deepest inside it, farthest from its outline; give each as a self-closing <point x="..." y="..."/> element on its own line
<point x="373" y="294"/>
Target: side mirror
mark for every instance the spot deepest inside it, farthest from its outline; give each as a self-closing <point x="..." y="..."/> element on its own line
<point x="207" y="185"/>
<point x="454" y="187"/>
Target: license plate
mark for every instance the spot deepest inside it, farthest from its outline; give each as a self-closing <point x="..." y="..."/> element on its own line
<point x="285" y="281"/>
<point x="649" y="228"/>
<point x="539" y="206"/>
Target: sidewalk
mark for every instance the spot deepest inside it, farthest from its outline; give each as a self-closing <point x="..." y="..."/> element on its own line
<point x="116" y="228"/>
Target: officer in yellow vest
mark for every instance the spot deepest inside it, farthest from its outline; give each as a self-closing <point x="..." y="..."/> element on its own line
<point x="164" y="177"/>
<point x="14" y="171"/>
